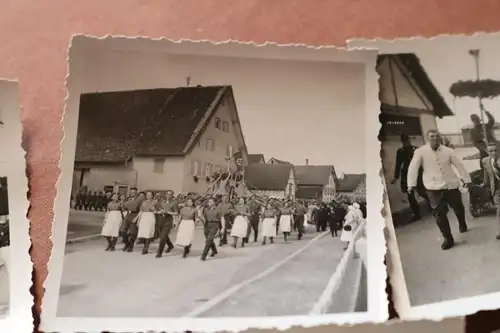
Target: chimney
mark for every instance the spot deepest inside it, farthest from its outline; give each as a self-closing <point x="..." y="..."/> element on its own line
<point x="307" y="161"/>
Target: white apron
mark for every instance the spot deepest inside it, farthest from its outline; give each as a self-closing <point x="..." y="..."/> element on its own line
<point x="112" y="223"/>
<point x="285" y="223"/>
<point x="185" y="233"/>
<point x="306" y="219"/>
<point x="240" y="226"/>
<point x="351" y="220"/>
<point x="269" y="227"/>
<point x="147" y="222"/>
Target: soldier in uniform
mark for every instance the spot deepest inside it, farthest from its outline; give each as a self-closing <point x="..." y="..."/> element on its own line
<point x="167" y="210"/>
<point x="300" y="211"/>
<point x="253" y="219"/>
<point x="225" y="208"/>
<point x="129" y="226"/>
<point x="212" y="216"/>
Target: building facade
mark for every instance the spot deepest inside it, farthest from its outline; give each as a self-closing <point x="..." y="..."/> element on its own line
<point x="410" y="104"/>
<point x="271" y="180"/>
<point x="316" y="182"/>
<point x="168" y="158"/>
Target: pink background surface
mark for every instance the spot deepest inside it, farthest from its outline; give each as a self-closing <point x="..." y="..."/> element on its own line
<point x="35" y="35"/>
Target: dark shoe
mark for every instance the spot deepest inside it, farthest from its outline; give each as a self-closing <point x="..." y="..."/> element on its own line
<point x="169" y="249"/>
<point x="415" y="218"/>
<point x="263" y="242"/>
<point x="463" y="229"/>
<point x="158" y="255"/>
<point x="213" y="254"/>
<point x="144" y="251"/>
<point x="203" y="258"/>
<point x="447" y="244"/>
<point x="497" y="236"/>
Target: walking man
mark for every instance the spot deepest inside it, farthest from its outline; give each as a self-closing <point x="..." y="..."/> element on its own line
<point x="404" y="156"/>
<point x="167" y="209"/>
<point x="478" y="137"/>
<point x="300" y="211"/>
<point x="253" y="219"/>
<point x="492" y="178"/>
<point x="441" y="182"/>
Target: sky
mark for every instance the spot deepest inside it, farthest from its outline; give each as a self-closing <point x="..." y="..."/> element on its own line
<point x="447" y="60"/>
<point x="290" y="110"/>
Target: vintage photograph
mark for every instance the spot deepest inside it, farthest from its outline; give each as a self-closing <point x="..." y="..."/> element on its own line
<point x="236" y="187"/>
<point x="440" y="132"/>
<point x="15" y="273"/>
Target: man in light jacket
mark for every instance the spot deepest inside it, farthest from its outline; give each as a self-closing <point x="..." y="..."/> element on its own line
<point x="492" y="178"/>
<point x="441" y="182"/>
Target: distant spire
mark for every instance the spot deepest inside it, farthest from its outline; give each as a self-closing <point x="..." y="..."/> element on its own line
<point x="188" y="81"/>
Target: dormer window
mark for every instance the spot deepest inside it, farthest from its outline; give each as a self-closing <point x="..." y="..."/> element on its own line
<point x="218" y="123"/>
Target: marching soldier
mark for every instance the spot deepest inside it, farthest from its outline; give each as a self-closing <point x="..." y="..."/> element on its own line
<point x="212" y="224"/>
<point x="167" y="210"/>
<point x="300" y="211"/>
<point x="129" y="227"/>
<point x="225" y="208"/>
<point x="254" y="219"/>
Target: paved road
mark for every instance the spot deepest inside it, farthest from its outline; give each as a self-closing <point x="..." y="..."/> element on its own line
<point x="84" y="224"/>
<point x="471" y="268"/>
<point x="96" y="283"/>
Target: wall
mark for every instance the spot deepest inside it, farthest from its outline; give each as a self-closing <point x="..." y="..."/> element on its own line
<point x="99" y="176"/>
<point x="170" y="179"/>
<point x="406" y="98"/>
<point x="291" y="186"/>
<point x="217" y="157"/>
<point x="271" y="194"/>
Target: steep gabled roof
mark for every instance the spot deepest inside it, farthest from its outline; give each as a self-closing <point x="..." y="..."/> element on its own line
<point x="267" y="176"/>
<point x="309" y="192"/>
<point x="255" y="158"/>
<point x="278" y="161"/>
<point x="350" y="182"/>
<point x="418" y="73"/>
<point x="317" y="175"/>
<point x="115" y="126"/>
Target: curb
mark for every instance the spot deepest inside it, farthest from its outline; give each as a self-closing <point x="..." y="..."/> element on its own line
<point x="82" y="239"/>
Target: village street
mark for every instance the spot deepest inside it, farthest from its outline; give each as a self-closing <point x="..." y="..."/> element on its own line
<point x="471" y="268"/>
<point x="278" y="279"/>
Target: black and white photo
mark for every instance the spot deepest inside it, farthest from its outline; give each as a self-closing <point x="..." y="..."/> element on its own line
<point x="16" y="268"/>
<point x="199" y="187"/>
<point x="440" y="156"/>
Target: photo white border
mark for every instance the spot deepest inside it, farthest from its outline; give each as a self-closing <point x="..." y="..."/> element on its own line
<point x="377" y="298"/>
<point x="439" y="310"/>
<point x="13" y="166"/>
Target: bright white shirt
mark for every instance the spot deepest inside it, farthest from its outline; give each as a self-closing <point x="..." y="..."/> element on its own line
<point x="438" y="168"/>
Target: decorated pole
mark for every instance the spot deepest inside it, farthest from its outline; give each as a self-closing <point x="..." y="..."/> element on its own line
<point x="475" y="53"/>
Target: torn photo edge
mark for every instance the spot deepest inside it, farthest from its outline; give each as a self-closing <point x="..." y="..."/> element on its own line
<point x="377" y="297"/>
<point x="444" y="309"/>
<point x="13" y="166"/>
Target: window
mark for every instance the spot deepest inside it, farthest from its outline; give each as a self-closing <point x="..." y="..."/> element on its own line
<point x="208" y="170"/>
<point x="158" y="165"/>
<point x="229" y="150"/>
<point x="210" y="144"/>
<point x="195" y="168"/>
<point x="225" y="127"/>
<point x="217" y="123"/>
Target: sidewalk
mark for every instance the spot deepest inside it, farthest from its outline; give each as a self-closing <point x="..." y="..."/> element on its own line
<point x="96" y="283"/>
<point x="471" y="268"/>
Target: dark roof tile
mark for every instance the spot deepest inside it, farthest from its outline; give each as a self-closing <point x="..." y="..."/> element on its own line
<point x="314" y="174"/>
<point x="255" y="158"/>
<point x="350" y="182"/>
<point x="267" y="176"/>
<point x="309" y="192"/>
<point x="115" y="126"/>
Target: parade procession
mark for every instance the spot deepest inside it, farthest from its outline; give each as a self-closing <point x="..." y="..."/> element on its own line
<point x="229" y="213"/>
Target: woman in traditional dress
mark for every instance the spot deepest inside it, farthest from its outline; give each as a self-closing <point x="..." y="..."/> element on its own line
<point x="269" y="223"/>
<point x="185" y="232"/>
<point x="112" y="222"/>
<point x="286" y="219"/>
<point x="147" y="221"/>
<point x="212" y="217"/>
<point x="349" y="226"/>
<point x="241" y="212"/>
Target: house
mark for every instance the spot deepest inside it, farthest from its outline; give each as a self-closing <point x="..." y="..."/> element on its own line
<point x="157" y="139"/>
<point x="256" y="158"/>
<point x="410" y="104"/>
<point x="271" y="180"/>
<point x="316" y="182"/>
<point x="273" y="160"/>
<point x="352" y="185"/>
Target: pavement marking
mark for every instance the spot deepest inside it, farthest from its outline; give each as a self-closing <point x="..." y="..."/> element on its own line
<point x="229" y="292"/>
<point x="81" y="239"/>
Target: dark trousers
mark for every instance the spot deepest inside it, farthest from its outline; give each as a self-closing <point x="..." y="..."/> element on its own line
<point x="166" y="223"/>
<point x="228" y="222"/>
<point x="253" y="225"/>
<point x="129" y="230"/>
<point x="210" y="230"/>
<point x="321" y="224"/>
<point x="299" y="225"/>
<point x="439" y="201"/>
